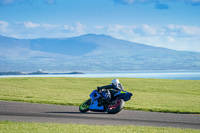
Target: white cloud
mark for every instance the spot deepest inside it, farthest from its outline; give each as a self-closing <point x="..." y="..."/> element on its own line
<point x="79" y="27"/>
<point x="135" y="29"/>
<point x="190" y="30"/>
<point x="3" y="26"/>
<point x="99" y="27"/>
<point x="149" y="30"/>
<point x="184" y="30"/>
<point x="30" y="25"/>
<point x="49" y="26"/>
<point x="127" y="29"/>
<point x="68" y="28"/>
<point x="170" y="39"/>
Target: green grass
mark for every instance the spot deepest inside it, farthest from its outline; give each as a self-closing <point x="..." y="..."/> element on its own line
<point x="162" y="95"/>
<point x="22" y="127"/>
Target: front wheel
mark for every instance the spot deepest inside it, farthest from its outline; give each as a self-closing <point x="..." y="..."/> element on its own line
<point x="84" y="107"/>
<point x="116" y="107"/>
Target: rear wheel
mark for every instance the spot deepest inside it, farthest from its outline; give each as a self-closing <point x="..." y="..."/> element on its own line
<point x="116" y="107"/>
<point x="84" y="107"/>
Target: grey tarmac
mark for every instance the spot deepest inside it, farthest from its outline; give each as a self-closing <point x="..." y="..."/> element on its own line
<point x="44" y="113"/>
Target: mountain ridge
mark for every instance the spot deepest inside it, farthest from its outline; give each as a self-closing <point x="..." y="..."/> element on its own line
<point x="90" y="52"/>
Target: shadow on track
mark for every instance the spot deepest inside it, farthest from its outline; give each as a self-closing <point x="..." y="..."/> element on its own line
<point x="76" y="113"/>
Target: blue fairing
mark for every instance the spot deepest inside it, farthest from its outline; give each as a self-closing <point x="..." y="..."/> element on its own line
<point x="124" y="95"/>
<point x="94" y="95"/>
<point x="94" y="104"/>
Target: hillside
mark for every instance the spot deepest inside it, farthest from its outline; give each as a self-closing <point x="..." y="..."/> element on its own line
<point x="90" y="53"/>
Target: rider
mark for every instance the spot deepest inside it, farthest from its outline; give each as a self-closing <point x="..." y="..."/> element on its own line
<point x="111" y="89"/>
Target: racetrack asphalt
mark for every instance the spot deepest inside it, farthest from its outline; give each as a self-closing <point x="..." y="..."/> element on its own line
<point x="44" y="113"/>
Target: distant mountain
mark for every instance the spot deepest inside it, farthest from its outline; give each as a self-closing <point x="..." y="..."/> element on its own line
<point x="90" y="53"/>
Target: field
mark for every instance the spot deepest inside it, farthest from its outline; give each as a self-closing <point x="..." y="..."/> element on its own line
<point x="161" y="95"/>
<point x="22" y="127"/>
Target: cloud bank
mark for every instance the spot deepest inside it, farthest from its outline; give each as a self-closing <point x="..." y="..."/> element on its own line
<point x="30" y="29"/>
<point x="178" y="37"/>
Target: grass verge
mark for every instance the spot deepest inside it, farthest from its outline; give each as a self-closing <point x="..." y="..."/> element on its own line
<point x="22" y="127"/>
<point x="160" y="95"/>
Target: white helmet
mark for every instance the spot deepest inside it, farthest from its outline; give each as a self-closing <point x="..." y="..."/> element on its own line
<point x="115" y="81"/>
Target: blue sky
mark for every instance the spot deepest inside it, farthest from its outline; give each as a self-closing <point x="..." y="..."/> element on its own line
<point x="173" y="24"/>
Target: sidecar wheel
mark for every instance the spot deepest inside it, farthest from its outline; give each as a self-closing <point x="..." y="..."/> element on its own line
<point x="116" y="107"/>
<point x="84" y="107"/>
